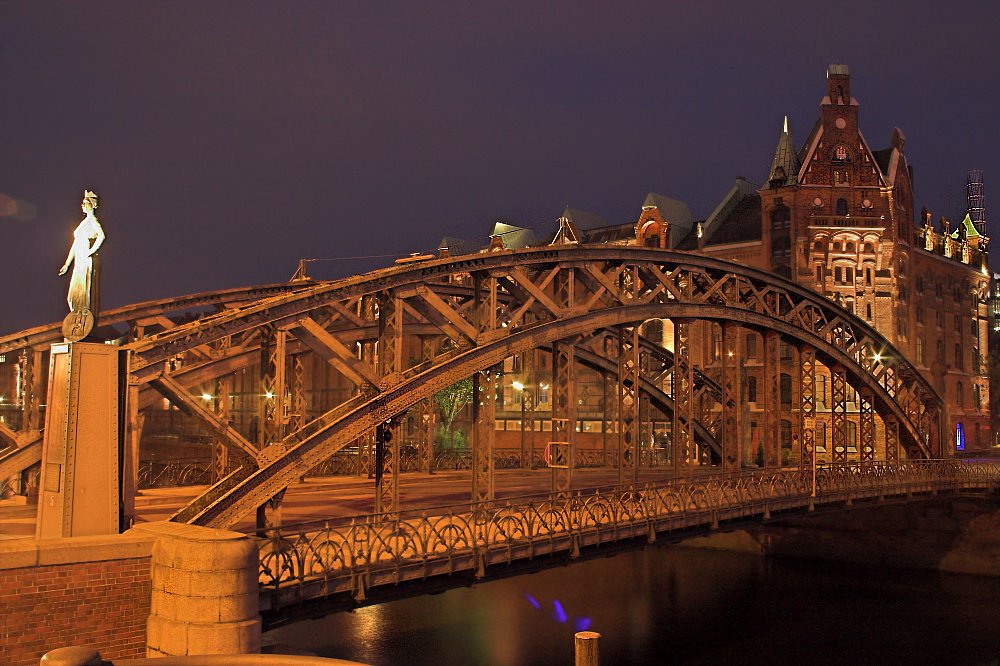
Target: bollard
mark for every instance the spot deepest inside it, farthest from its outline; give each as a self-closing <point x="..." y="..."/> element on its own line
<point x="588" y="652"/>
<point x="72" y="656"/>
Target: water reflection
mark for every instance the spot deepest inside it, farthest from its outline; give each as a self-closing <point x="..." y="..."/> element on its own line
<point x="670" y="604"/>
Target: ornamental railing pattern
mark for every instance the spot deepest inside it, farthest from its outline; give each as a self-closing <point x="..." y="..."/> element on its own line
<point x="318" y="559"/>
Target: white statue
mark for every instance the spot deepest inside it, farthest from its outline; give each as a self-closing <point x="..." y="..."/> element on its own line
<point x="81" y="254"/>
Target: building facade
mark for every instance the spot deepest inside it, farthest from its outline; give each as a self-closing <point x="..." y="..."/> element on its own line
<point x="839" y="217"/>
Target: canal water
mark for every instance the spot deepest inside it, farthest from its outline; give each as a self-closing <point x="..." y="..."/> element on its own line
<point x="666" y="604"/>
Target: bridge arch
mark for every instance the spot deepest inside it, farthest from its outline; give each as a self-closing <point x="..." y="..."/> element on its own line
<point x="493" y="305"/>
<point x="766" y="304"/>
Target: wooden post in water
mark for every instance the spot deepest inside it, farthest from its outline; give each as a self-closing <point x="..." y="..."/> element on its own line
<point x="588" y="652"/>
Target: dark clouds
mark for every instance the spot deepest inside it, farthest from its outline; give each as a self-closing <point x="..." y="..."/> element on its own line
<point x="229" y="139"/>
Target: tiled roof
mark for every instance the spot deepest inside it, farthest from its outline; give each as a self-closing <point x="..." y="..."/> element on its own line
<point x="742" y="224"/>
<point x="674" y="212"/>
<point x="457" y="246"/>
<point x="584" y="221"/>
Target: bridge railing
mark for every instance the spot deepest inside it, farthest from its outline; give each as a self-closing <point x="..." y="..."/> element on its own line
<point x="349" y="556"/>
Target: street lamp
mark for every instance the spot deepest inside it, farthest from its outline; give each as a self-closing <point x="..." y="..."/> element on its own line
<point x="519" y="387"/>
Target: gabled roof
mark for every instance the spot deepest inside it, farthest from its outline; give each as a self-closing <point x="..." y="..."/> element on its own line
<point x="584" y="221"/>
<point x="740" y="190"/>
<point x="741" y="224"/>
<point x="514" y="238"/>
<point x="970" y="228"/>
<point x="457" y="246"/>
<point x="674" y="212"/>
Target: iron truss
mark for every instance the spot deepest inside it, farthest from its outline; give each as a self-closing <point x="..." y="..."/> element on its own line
<point x="471" y="312"/>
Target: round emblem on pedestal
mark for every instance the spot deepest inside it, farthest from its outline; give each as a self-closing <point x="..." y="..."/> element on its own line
<point x="78" y="325"/>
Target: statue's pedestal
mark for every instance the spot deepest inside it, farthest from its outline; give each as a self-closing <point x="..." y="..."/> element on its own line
<point x="80" y="485"/>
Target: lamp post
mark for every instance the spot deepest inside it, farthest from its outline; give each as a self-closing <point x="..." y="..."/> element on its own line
<point x="520" y="388"/>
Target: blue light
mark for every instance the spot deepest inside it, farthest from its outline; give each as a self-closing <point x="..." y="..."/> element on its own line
<point x="558" y="613"/>
<point x="959" y="437"/>
<point x="532" y="601"/>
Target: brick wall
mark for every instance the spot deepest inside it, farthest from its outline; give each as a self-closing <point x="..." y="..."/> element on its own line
<point x="90" y="591"/>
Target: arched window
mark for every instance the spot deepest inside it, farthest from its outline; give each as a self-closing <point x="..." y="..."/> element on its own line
<point x="751" y="389"/>
<point x="818" y="245"/>
<point x="654" y="330"/>
<point x="836" y="246"/>
<point x="841" y="206"/>
<point x="850" y="246"/>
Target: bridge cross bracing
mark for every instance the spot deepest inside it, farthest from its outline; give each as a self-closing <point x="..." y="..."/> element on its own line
<point x="401" y="334"/>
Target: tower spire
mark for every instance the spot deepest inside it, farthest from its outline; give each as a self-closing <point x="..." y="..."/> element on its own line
<point x="785" y="166"/>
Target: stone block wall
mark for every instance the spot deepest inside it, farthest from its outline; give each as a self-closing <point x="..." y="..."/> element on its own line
<point x="89" y="591"/>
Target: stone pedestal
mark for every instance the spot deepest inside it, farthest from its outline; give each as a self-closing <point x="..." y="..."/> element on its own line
<point x="80" y="483"/>
<point x="205" y="591"/>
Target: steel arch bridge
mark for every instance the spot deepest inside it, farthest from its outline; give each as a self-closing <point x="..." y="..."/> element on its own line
<point x="401" y="334"/>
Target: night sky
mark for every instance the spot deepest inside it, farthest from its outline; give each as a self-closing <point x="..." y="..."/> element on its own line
<point x="227" y="140"/>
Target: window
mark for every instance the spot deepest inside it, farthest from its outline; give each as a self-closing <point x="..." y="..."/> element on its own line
<point x="781" y="216"/>
<point x="841" y="206"/>
<point x="940" y="351"/>
<point x="751" y="389"/>
<point x="820" y="436"/>
<point x="851" y="429"/>
<point x="869" y="311"/>
<point x="838" y="274"/>
<point x="920" y="351"/>
<point x="819" y="273"/>
<point x="821" y="389"/>
<point x="958" y="323"/>
<point x="786" y="390"/>
<point x="920" y="314"/>
<point x="920" y="284"/>
<point x="939" y="319"/>
<point x="849" y="271"/>
<point x="868" y="277"/>
<point x="818" y="246"/>
<point x="751" y="345"/>
<point x="958" y="356"/>
<point x="959" y="395"/>
<point x="977" y="397"/>
<point x="938" y="291"/>
<point x="850" y="246"/>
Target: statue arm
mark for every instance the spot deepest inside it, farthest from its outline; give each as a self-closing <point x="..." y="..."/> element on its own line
<point x="98" y="237"/>
<point x="69" y="259"/>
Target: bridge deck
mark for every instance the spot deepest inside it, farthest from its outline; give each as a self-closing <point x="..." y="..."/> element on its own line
<point x="341" y="496"/>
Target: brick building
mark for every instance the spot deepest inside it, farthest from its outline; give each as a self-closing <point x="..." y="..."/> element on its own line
<point x="838" y="217"/>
